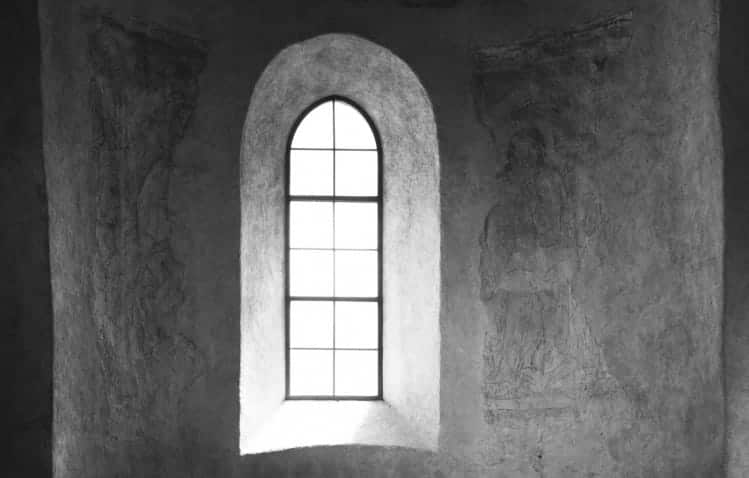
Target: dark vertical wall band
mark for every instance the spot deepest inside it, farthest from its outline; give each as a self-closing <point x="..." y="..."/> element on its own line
<point x="26" y="315"/>
<point x="734" y="104"/>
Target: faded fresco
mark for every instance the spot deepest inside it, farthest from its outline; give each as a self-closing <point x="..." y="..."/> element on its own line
<point x="586" y="344"/>
<point x="143" y="90"/>
<point x="538" y="351"/>
<point x="545" y="375"/>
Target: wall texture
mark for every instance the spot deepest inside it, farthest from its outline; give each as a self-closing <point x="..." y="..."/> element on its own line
<point x="592" y="256"/>
<point x="581" y="233"/>
<point x="26" y="316"/>
<point x="734" y="102"/>
<point x="132" y="362"/>
<point x="143" y="90"/>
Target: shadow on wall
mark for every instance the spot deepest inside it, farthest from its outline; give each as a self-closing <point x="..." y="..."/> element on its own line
<point x="734" y="103"/>
<point x="26" y="338"/>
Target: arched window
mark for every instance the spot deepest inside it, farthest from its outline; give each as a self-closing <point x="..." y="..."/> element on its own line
<point x="277" y="169"/>
<point x="333" y="255"/>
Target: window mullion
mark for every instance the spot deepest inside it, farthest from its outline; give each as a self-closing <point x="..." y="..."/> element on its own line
<point x="334" y="249"/>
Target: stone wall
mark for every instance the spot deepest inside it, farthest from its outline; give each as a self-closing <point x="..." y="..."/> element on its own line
<point x="581" y="233"/>
<point x="26" y="316"/>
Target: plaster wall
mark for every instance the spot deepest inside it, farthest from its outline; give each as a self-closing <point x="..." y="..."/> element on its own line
<point x="581" y="209"/>
<point x="26" y="315"/>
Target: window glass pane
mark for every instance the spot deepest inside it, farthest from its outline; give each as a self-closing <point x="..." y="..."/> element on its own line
<point x="311" y="173"/>
<point x="356" y="273"/>
<point x="311" y="224"/>
<point x="316" y="129"/>
<point x="356" y="173"/>
<point x="310" y="324"/>
<point x="351" y="128"/>
<point x="356" y="325"/>
<point x="310" y="372"/>
<point x="311" y="273"/>
<point x="356" y="225"/>
<point x="356" y="373"/>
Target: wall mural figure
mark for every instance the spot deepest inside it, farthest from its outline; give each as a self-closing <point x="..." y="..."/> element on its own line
<point x="143" y="91"/>
<point x="538" y="101"/>
<point x="527" y="260"/>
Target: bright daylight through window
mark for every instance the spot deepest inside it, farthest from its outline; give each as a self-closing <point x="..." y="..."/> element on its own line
<point x="334" y="255"/>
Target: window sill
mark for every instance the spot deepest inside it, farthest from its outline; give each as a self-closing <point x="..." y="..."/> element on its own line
<point x="306" y="423"/>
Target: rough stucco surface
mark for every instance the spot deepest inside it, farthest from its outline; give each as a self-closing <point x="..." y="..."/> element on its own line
<point x="26" y="344"/>
<point x="143" y="90"/>
<point x="734" y="102"/>
<point x="579" y="337"/>
<point x="137" y="343"/>
<point x="598" y="266"/>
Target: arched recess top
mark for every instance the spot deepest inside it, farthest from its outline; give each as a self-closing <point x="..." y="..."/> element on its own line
<point x="396" y="102"/>
<point x="350" y="66"/>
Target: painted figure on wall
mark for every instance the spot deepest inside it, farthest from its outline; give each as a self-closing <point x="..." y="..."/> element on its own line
<point x="540" y="101"/>
<point x="528" y="257"/>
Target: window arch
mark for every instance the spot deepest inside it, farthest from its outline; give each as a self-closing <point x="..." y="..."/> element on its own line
<point x="334" y="254"/>
<point x="388" y="90"/>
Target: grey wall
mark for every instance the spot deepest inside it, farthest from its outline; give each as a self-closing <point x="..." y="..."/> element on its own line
<point x="139" y="362"/>
<point x="26" y="316"/>
<point x="581" y="222"/>
<point x="734" y="102"/>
